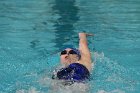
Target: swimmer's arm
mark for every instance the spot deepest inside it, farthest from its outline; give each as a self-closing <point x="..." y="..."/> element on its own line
<point x="83" y="44"/>
<point x="85" y="52"/>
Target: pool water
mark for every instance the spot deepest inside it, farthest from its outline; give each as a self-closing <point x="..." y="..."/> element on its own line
<point x="32" y="33"/>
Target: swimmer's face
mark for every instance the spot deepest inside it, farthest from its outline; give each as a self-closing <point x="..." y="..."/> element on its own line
<point x="68" y="56"/>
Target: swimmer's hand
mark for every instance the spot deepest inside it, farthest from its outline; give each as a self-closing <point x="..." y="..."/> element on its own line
<point x="89" y="34"/>
<point x="85" y="34"/>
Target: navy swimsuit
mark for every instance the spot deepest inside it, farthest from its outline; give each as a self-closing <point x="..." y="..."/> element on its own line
<point x="74" y="72"/>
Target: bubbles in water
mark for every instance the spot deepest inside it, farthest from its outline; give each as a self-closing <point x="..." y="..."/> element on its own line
<point x="31" y="90"/>
<point x="114" y="91"/>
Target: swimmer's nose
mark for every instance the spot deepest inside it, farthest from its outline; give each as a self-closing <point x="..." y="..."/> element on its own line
<point x="66" y="56"/>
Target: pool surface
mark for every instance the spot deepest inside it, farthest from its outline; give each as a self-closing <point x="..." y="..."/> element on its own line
<point x="32" y="33"/>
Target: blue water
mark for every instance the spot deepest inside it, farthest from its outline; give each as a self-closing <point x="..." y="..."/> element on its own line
<point x="32" y="32"/>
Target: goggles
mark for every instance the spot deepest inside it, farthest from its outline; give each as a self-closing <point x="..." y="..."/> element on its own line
<point x="70" y="52"/>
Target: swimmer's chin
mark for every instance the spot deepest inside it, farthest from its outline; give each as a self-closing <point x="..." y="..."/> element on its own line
<point x="66" y="63"/>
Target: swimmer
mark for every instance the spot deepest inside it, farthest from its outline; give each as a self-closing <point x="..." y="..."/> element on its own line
<point x="77" y="62"/>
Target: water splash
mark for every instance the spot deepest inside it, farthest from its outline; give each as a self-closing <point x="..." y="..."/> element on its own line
<point x="58" y="86"/>
<point x="111" y="76"/>
<point x="107" y="76"/>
